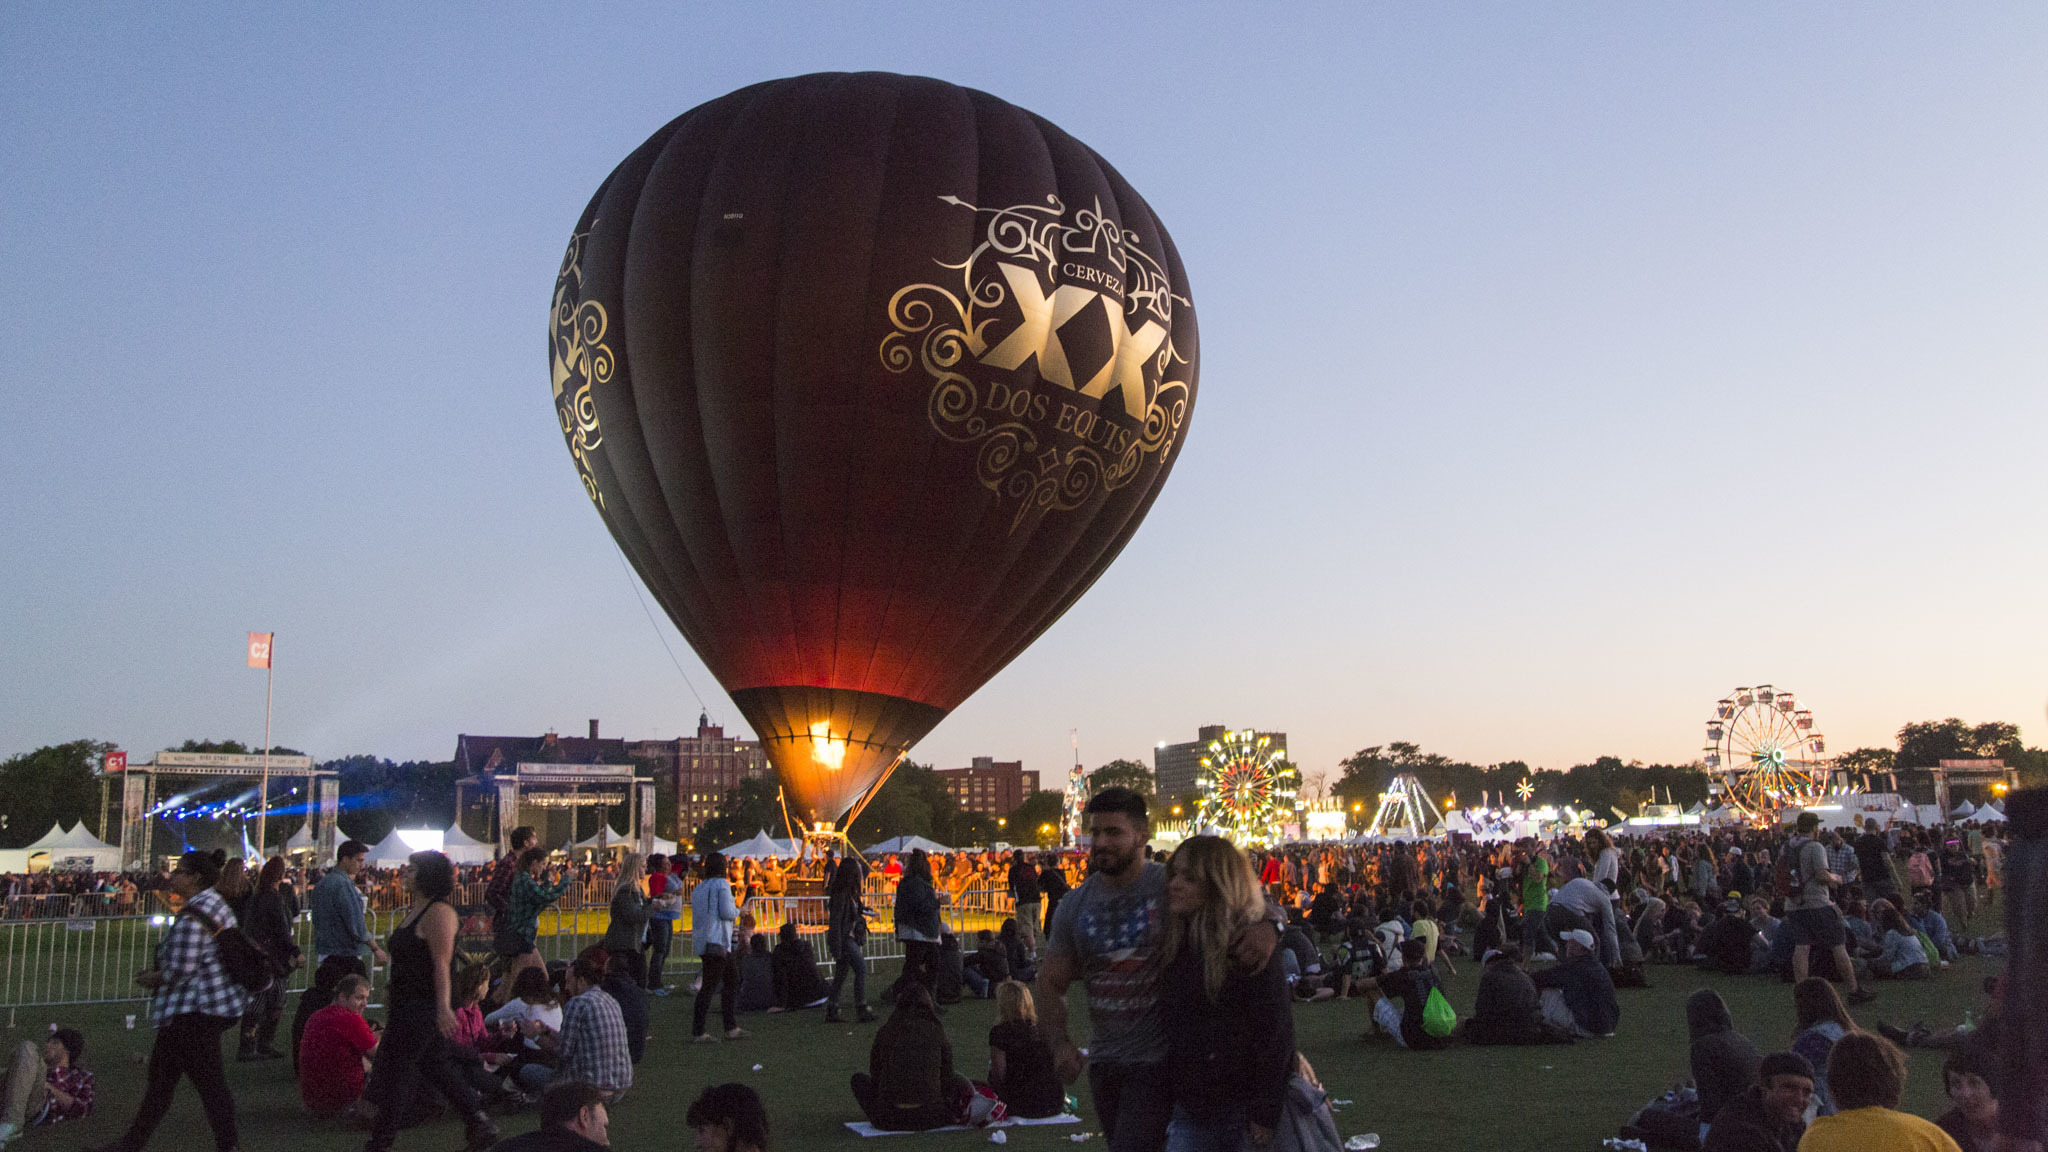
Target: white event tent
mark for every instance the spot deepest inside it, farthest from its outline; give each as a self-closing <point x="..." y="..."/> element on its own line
<point x="390" y="852"/>
<point x="902" y="844"/>
<point x="59" y="849"/>
<point x="462" y="848"/>
<point x="760" y="846"/>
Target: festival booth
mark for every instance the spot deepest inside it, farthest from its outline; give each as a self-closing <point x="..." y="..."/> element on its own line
<point x="298" y="843"/>
<point x="604" y="839"/>
<point x="390" y="852"/>
<point x="665" y="847"/>
<point x="1963" y="811"/>
<point x="760" y="847"/>
<point x="902" y="845"/>
<point x="77" y="850"/>
<point x="462" y="848"/>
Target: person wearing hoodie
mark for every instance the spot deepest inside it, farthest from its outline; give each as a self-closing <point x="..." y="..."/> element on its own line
<point x="1771" y="1115"/>
<point x="1508" y="1010"/>
<point x="1724" y="1061"/>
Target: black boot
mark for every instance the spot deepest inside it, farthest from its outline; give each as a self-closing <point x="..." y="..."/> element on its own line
<point x="865" y="1015"/>
<point x="246" y="1050"/>
<point x="832" y="1015"/>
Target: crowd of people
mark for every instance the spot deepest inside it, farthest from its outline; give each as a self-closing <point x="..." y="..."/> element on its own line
<point x="1192" y="963"/>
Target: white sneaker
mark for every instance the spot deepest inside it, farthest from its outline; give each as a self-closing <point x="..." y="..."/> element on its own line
<point x="8" y="1131"/>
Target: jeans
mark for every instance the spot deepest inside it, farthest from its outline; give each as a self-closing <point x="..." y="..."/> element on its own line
<point x="659" y="934"/>
<point x="1186" y="1134"/>
<point x="721" y="975"/>
<point x="849" y="959"/>
<point x="1535" y="936"/>
<point x="976" y="983"/>
<point x="188" y="1045"/>
<point x="1134" y="1103"/>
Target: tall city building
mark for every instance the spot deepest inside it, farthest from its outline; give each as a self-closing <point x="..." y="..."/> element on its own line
<point x="703" y="766"/>
<point x="991" y="787"/>
<point x="1176" y="767"/>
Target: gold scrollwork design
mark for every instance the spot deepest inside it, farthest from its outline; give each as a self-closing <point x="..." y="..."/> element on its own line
<point x="580" y="357"/>
<point x="941" y="331"/>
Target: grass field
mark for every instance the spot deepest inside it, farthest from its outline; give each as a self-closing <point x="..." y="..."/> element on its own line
<point x="1463" y="1098"/>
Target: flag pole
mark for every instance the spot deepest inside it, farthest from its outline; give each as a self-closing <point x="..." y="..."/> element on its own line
<point x="263" y="800"/>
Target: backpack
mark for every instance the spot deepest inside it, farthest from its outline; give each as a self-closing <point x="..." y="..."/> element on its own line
<point x="1785" y="873"/>
<point x="245" y="963"/>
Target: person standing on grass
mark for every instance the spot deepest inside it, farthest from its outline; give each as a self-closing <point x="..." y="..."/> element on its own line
<point x="340" y="926"/>
<point x="846" y="932"/>
<point x="1810" y="914"/>
<point x="1108" y="933"/>
<point x="918" y="926"/>
<point x="1025" y="892"/>
<point x="664" y="908"/>
<point x="421" y="1013"/>
<point x="514" y="951"/>
<point x="1222" y="1017"/>
<point x="629" y="917"/>
<point x="713" y="915"/>
<point x="268" y="923"/>
<point x="193" y="1004"/>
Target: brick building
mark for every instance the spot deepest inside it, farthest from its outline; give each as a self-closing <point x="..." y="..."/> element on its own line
<point x="703" y="767"/>
<point x="991" y="787"/>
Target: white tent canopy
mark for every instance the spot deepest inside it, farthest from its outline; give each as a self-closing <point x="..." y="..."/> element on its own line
<point x="905" y="844"/>
<point x="759" y="846"/>
<point x="390" y="852"/>
<point x="665" y="847"/>
<point x="462" y="848"/>
<point x="1963" y="811"/>
<point x="612" y="838"/>
<point x="77" y="848"/>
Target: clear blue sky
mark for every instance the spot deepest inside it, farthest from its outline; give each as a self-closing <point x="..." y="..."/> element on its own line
<point x="1562" y="368"/>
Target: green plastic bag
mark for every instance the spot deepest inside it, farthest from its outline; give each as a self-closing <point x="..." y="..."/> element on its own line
<point x="1438" y="1017"/>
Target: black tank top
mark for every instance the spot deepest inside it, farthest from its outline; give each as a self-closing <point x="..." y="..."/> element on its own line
<point x="412" y="963"/>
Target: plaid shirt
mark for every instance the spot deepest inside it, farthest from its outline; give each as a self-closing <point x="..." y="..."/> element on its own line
<point x="594" y="1048"/>
<point x="529" y="899"/>
<point x="73" y="1082"/>
<point x="194" y="979"/>
<point x="498" y="893"/>
<point x="1842" y="862"/>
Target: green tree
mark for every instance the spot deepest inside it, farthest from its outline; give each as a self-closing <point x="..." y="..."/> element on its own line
<point x="1866" y="761"/>
<point x="51" y="785"/>
<point x="1124" y="773"/>
<point x="751" y="806"/>
<point x="1027" y="822"/>
<point x="1928" y="743"/>
<point x="232" y="748"/>
<point x="379" y="795"/>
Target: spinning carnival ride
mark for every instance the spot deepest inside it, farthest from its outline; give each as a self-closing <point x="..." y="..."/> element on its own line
<point x="1764" y="752"/>
<point x="1247" y="790"/>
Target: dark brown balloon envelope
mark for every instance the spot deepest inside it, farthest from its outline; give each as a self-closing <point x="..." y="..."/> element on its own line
<point x="870" y="376"/>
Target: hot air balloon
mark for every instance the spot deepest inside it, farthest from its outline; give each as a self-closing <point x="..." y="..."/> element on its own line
<point x="870" y="376"/>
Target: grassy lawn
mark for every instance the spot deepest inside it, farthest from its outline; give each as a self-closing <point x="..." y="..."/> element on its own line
<point x="1462" y="1098"/>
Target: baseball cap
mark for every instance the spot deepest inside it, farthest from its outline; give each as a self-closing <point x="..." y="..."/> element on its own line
<point x="1579" y="936"/>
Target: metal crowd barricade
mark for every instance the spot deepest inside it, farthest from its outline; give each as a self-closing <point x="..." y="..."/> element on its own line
<point x="82" y="953"/>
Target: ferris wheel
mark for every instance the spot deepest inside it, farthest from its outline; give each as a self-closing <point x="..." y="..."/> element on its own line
<point x="1247" y="789"/>
<point x="1763" y="748"/>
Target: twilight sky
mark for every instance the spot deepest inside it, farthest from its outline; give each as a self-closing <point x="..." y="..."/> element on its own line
<point x="1561" y="369"/>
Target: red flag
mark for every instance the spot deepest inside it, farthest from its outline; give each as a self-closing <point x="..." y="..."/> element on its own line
<point x="259" y="649"/>
<point x="117" y="762"/>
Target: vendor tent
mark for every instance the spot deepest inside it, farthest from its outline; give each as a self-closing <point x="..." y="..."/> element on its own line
<point x="759" y="846"/>
<point x="611" y="837"/>
<point x="77" y="849"/>
<point x="664" y="847"/>
<point x="462" y="848"/>
<point x="905" y="844"/>
<point x="390" y="852"/>
<point x="298" y="842"/>
<point x="1962" y="811"/>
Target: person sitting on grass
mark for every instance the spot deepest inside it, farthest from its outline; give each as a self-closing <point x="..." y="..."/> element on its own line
<point x="44" y="1084"/>
<point x="1867" y="1076"/>
<point x="1973" y="1122"/>
<point x="729" y="1118"/>
<point x="1410" y="984"/>
<point x="1821" y="1019"/>
<point x="1020" y="1066"/>
<point x="1771" y="1115"/>
<point x="470" y="1051"/>
<point x="534" y="1011"/>
<point x="757" y="976"/>
<point x="1903" y="958"/>
<point x="797" y="983"/>
<point x="1728" y="945"/>
<point x="335" y="1052"/>
<point x="1928" y="919"/>
<point x="910" y="1085"/>
<point x="1724" y="1062"/>
<point x="625" y="982"/>
<point x="1508" y="1010"/>
<point x="592" y="1047"/>
<point x="990" y="964"/>
<point x="572" y="1119"/>
<point x="1579" y="993"/>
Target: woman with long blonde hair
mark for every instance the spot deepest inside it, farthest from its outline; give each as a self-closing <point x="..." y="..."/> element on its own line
<point x="1230" y="1032"/>
<point x="629" y="916"/>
